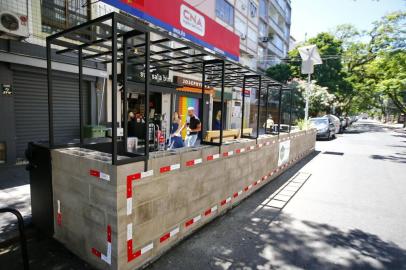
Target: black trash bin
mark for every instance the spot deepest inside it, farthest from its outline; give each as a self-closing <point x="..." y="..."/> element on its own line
<point x="40" y="170"/>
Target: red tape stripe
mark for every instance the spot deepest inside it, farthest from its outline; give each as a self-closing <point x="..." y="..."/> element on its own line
<point x="95" y="173"/>
<point x="164" y="237"/>
<point x="96" y="252"/>
<point x="165" y="169"/>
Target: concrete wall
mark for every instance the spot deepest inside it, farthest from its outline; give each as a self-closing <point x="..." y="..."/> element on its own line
<point x="149" y="212"/>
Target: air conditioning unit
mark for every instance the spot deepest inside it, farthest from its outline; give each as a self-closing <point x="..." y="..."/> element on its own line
<point x="264" y="39"/>
<point x="13" y="25"/>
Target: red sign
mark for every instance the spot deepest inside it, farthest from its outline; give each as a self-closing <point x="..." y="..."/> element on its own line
<point x="185" y="21"/>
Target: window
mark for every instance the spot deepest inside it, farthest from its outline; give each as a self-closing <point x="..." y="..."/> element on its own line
<point x="253" y="9"/>
<point x="262" y="29"/>
<point x="240" y="26"/>
<point x="58" y="15"/>
<point x="263" y="9"/>
<point x="225" y="11"/>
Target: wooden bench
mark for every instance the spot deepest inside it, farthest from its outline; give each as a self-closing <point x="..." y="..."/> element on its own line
<point x="247" y="131"/>
<point x="214" y="135"/>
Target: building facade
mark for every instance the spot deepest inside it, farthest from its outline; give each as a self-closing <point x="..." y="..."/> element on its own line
<point x="263" y="27"/>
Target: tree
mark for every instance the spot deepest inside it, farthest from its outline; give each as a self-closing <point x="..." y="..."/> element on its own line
<point x="331" y="73"/>
<point x="320" y="100"/>
<point x="389" y="71"/>
<point x="280" y="72"/>
<point x="364" y="62"/>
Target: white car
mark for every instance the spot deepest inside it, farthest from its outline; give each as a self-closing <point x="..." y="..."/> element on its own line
<point x="335" y="120"/>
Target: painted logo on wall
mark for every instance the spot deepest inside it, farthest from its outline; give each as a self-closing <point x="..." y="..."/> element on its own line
<point x="192" y="20"/>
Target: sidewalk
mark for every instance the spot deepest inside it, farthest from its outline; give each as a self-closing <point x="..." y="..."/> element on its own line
<point x="14" y="193"/>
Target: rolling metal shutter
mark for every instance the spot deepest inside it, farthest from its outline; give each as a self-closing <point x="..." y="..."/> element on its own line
<point x="31" y="108"/>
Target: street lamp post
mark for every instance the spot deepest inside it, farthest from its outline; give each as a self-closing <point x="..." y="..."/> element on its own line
<point x="310" y="57"/>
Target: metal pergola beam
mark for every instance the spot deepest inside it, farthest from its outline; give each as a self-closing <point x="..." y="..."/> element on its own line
<point x="125" y="40"/>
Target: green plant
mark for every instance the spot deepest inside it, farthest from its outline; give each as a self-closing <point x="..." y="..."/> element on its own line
<point x="303" y="124"/>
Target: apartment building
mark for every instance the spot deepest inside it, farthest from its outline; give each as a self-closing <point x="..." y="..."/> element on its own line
<point x="263" y="27"/>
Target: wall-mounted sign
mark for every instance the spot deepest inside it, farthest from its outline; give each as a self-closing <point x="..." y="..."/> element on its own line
<point x="284" y="151"/>
<point x="180" y="18"/>
<point x="6" y="89"/>
<point x="187" y="82"/>
<point x="156" y="76"/>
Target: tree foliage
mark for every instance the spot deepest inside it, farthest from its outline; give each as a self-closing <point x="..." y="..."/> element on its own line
<point x="361" y="70"/>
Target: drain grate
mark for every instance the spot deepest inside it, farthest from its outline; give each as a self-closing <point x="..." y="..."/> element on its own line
<point x="333" y="153"/>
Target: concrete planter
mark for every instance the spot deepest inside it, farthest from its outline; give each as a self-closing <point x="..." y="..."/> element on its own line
<point x="120" y="217"/>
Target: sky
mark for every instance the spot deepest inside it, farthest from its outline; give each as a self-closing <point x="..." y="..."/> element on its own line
<point x="315" y="16"/>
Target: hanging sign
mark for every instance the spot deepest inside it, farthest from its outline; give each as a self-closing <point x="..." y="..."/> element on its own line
<point x="182" y="19"/>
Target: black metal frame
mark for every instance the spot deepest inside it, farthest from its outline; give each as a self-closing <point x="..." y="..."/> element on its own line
<point x="204" y="83"/>
<point x="21" y="230"/>
<point x="103" y="46"/>
<point x="244" y="84"/>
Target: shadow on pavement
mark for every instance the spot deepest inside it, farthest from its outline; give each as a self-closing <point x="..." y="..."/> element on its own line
<point x="397" y="157"/>
<point x="251" y="236"/>
<point x="13" y="176"/>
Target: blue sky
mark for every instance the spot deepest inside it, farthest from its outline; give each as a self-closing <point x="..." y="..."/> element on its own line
<point x="315" y="16"/>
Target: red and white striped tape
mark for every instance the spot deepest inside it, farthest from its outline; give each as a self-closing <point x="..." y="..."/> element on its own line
<point x="193" y="162"/>
<point x="252" y="147"/>
<point x="210" y="210"/>
<point x="59" y="214"/>
<point x="130" y="179"/>
<point x="169" y="168"/>
<point x="99" y="174"/>
<point x="248" y="187"/>
<point x="131" y="255"/>
<point x="213" y="157"/>
<point x="193" y="221"/>
<point x="236" y="194"/>
<point x="268" y="143"/>
<point x="103" y="257"/>
<point x="225" y="201"/>
<point x="241" y="150"/>
<point x="260" y="145"/>
<point x="169" y="235"/>
<point x="227" y="154"/>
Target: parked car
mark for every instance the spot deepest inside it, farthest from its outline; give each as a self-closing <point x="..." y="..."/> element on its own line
<point x="336" y="121"/>
<point x="325" y="127"/>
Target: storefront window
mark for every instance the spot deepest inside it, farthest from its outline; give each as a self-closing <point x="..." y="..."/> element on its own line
<point x="225" y="11"/>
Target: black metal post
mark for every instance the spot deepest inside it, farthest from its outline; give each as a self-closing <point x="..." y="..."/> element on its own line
<point x="259" y="105"/>
<point x="222" y="103"/>
<point x="266" y="107"/>
<point x="125" y="101"/>
<point x="80" y="95"/>
<point x="243" y="106"/>
<point x="114" y="87"/>
<point x="50" y="96"/>
<point x="147" y="78"/>
<point x="279" y="110"/>
<point x="23" y="240"/>
<point x="290" y="112"/>
<point x="202" y="100"/>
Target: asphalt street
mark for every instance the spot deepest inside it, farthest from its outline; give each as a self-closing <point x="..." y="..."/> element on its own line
<point x="343" y="207"/>
<point x="349" y="214"/>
